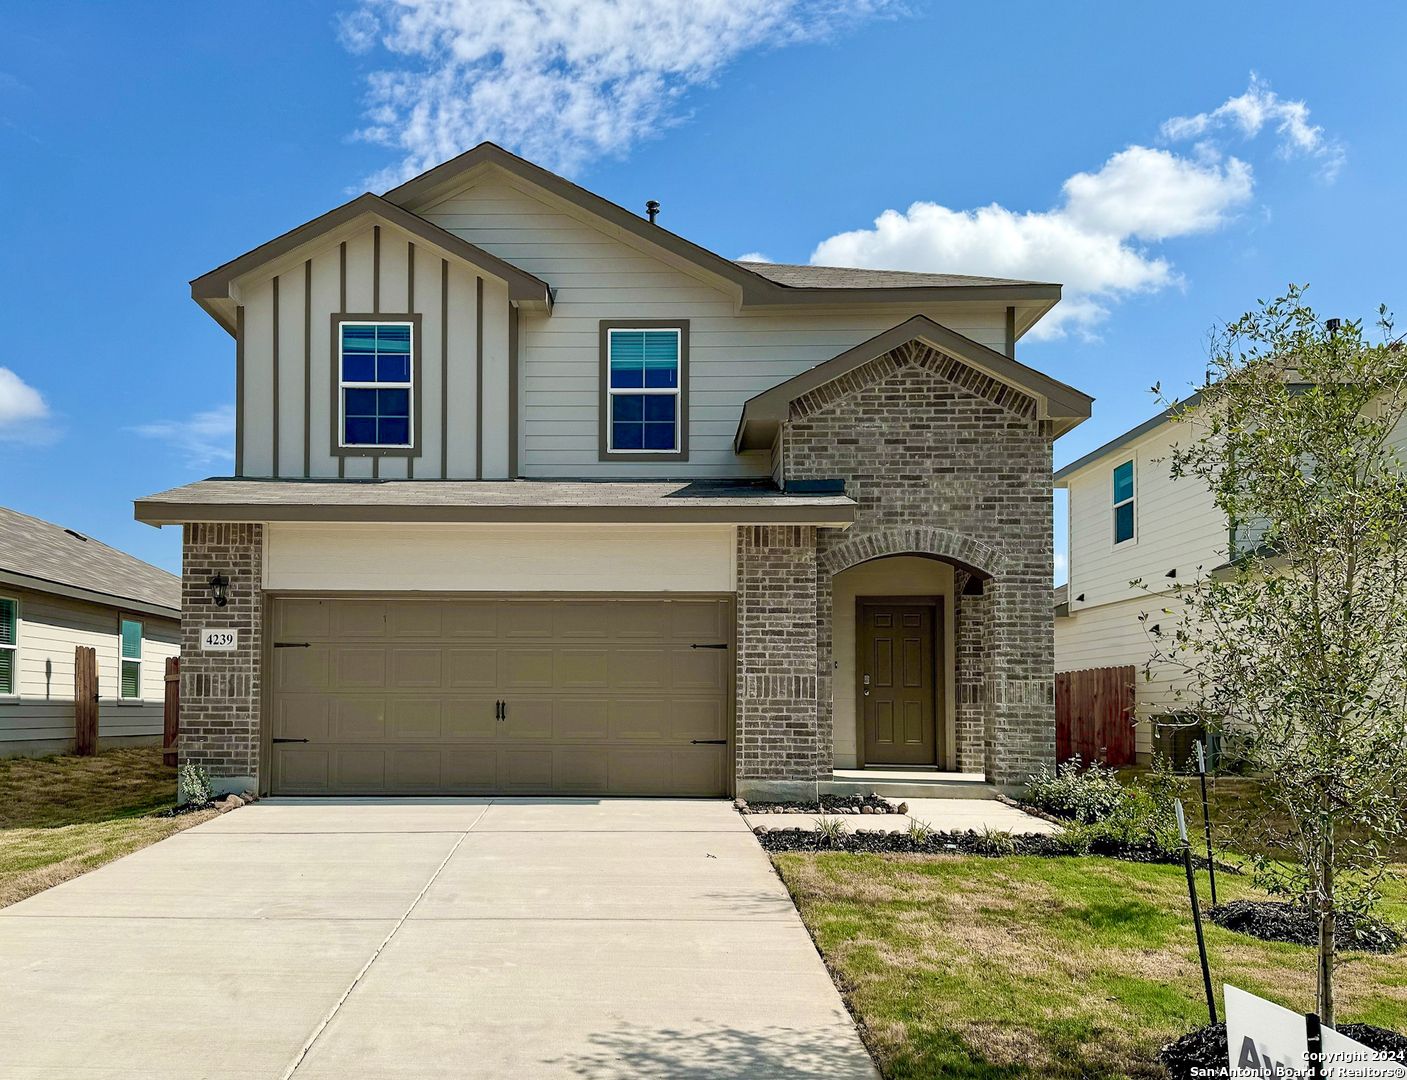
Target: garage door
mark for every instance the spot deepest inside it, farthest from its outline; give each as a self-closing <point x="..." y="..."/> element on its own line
<point x="477" y="696"/>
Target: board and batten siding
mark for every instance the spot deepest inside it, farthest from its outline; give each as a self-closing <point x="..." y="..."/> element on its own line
<point x="596" y="275"/>
<point x="287" y="369"/>
<point x="40" y="719"/>
<point x="455" y="557"/>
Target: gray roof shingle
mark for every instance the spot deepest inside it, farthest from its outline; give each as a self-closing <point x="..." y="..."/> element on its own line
<point x="50" y="553"/>
<point x="847" y="277"/>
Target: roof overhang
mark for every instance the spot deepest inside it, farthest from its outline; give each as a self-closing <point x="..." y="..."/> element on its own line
<point x="1030" y="299"/>
<point x="15" y="579"/>
<point x="1063" y="405"/>
<point x="217" y="292"/>
<point x="537" y="502"/>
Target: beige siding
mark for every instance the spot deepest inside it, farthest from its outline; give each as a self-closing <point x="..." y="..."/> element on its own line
<point x="596" y="276"/>
<point x="50" y="627"/>
<point x="1176" y="525"/>
<point x="363" y="270"/>
<point x="498" y="558"/>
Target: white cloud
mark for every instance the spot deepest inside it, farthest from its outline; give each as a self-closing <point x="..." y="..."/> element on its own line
<point x="1096" y="241"/>
<point x="1250" y="112"/>
<point x="559" y="82"/>
<point x="753" y="256"/>
<point x="24" y="414"/>
<point x="205" y="437"/>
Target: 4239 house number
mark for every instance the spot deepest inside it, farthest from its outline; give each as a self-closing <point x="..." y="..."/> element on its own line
<point x="220" y="640"/>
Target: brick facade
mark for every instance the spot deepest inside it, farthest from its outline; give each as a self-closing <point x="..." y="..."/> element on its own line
<point x="947" y="462"/>
<point x="220" y="690"/>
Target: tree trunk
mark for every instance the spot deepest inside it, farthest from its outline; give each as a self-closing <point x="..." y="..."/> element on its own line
<point x="1326" y="936"/>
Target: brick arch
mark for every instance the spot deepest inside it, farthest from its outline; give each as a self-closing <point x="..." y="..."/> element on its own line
<point x="981" y="560"/>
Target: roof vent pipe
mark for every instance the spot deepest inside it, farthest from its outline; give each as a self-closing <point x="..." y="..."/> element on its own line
<point x="652" y="210"/>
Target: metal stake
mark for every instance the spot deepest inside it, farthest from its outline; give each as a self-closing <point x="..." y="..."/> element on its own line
<point x="1196" y="910"/>
<point x="1207" y="819"/>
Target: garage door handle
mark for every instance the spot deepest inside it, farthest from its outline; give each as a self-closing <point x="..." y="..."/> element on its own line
<point x="709" y="742"/>
<point x="290" y="740"/>
<point x="293" y="644"/>
<point x="720" y="646"/>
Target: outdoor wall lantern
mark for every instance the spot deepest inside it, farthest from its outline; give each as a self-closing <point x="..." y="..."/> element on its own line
<point x="220" y="589"/>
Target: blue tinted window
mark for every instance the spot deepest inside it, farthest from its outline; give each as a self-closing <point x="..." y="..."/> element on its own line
<point x="1123" y="523"/>
<point x="376" y="358"/>
<point x="1123" y="482"/>
<point x="644" y="360"/>
<point x="1123" y="502"/>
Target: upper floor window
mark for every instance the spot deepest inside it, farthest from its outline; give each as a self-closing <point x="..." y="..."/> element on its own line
<point x="644" y="404"/>
<point x="1123" y="502"/>
<point x="374" y="360"/>
<point x="9" y="642"/>
<point x="131" y="679"/>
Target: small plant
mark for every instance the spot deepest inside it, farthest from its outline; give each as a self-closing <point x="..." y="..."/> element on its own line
<point x="996" y="842"/>
<point x="830" y="830"/>
<point x="193" y="785"/>
<point x="1076" y="793"/>
<point x="920" y="832"/>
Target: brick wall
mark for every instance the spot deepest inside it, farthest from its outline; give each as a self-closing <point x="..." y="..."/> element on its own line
<point x="220" y="690"/>
<point x="777" y="746"/>
<point x="945" y="461"/>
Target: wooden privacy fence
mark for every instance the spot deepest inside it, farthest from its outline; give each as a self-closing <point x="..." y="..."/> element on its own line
<point x="85" y="700"/>
<point x="1094" y="715"/>
<point x="172" y="710"/>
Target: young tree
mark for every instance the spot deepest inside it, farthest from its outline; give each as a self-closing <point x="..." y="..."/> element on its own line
<point x="1296" y="650"/>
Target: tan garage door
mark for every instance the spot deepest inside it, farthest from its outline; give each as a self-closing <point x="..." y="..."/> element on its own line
<point x="465" y="696"/>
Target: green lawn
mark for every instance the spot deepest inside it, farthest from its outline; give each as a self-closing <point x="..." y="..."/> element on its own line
<point x="1027" y="967"/>
<point x="62" y="816"/>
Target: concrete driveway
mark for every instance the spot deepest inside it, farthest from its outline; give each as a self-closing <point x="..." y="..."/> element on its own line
<point x="380" y="939"/>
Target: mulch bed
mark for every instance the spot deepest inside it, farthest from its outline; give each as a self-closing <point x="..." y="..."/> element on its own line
<point x="1274" y="920"/>
<point x="1201" y="1054"/>
<point x="992" y="845"/>
<point x="827" y="804"/>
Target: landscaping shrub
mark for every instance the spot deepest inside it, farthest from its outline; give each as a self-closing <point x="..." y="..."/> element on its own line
<point x="1076" y="793"/>
<point x="193" y="785"/>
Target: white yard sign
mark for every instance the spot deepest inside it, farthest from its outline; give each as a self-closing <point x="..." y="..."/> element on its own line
<point x="218" y="639"/>
<point x="1263" y="1039"/>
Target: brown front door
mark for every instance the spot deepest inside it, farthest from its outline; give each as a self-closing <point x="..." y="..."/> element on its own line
<point x="897" y="682"/>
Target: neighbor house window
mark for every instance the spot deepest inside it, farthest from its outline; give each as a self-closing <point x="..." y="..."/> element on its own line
<point x="9" y="642"/>
<point x="376" y="386"/>
<point x="1123" y="502"/>
<point x="644" y="403"/>
<point x="131" y="681"/>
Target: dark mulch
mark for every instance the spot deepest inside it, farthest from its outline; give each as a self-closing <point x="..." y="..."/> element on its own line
<point x="828" y="804"/>
<point x="963" y="843"/>
<point x="185" y="808"/>
<point x="1274" y="920"/>
<point x="1202" y="1053"/>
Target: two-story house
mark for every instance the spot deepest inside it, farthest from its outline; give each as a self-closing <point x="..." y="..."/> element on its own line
<point x="533" y="495"/>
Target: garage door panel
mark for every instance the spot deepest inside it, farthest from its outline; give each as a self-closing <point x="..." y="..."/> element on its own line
<point x="470" y="718"/>
<point x="302" y="620"/>
<point x="581" y="669"/>
<point x="696" y="670"/>
<point x="358" y="668"/>
<point x="416" y="669"/>
<point x="403" y="695"/>
<point x="581" y="718"/>
<point x="415" y="718"/>
<point x="472" y="668"/>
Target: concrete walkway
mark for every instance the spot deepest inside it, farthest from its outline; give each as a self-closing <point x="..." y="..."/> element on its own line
<point x="944" y="815"/>
<point x="385" y="939"/>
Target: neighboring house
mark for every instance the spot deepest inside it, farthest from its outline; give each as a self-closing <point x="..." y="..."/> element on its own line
<point x="60" y="589"/>
<point x="533" y="495"/>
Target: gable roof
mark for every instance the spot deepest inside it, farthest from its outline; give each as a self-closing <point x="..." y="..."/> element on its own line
<point x="212" y="291"/>
<point x="849" y="277"/>
<point x="45" y="557"/>
<point x="1062" y="404"/>
<point x="760" y="285"/>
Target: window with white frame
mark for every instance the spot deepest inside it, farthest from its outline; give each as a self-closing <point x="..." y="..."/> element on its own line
<point x="376" y="373"/>
<point x="131" y="679"/>
<point x="9" y="647"/>
<point x="1123" y="502"/>
<point x="644" y="390"/>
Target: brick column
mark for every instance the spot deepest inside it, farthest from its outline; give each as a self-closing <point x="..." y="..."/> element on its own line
<point x="220" y="690"/>
<point x="972" y="622"/>
<point x="777" y="742"/>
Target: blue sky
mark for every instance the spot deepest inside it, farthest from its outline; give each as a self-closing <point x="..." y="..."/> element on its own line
<point x="142" y="144"/>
